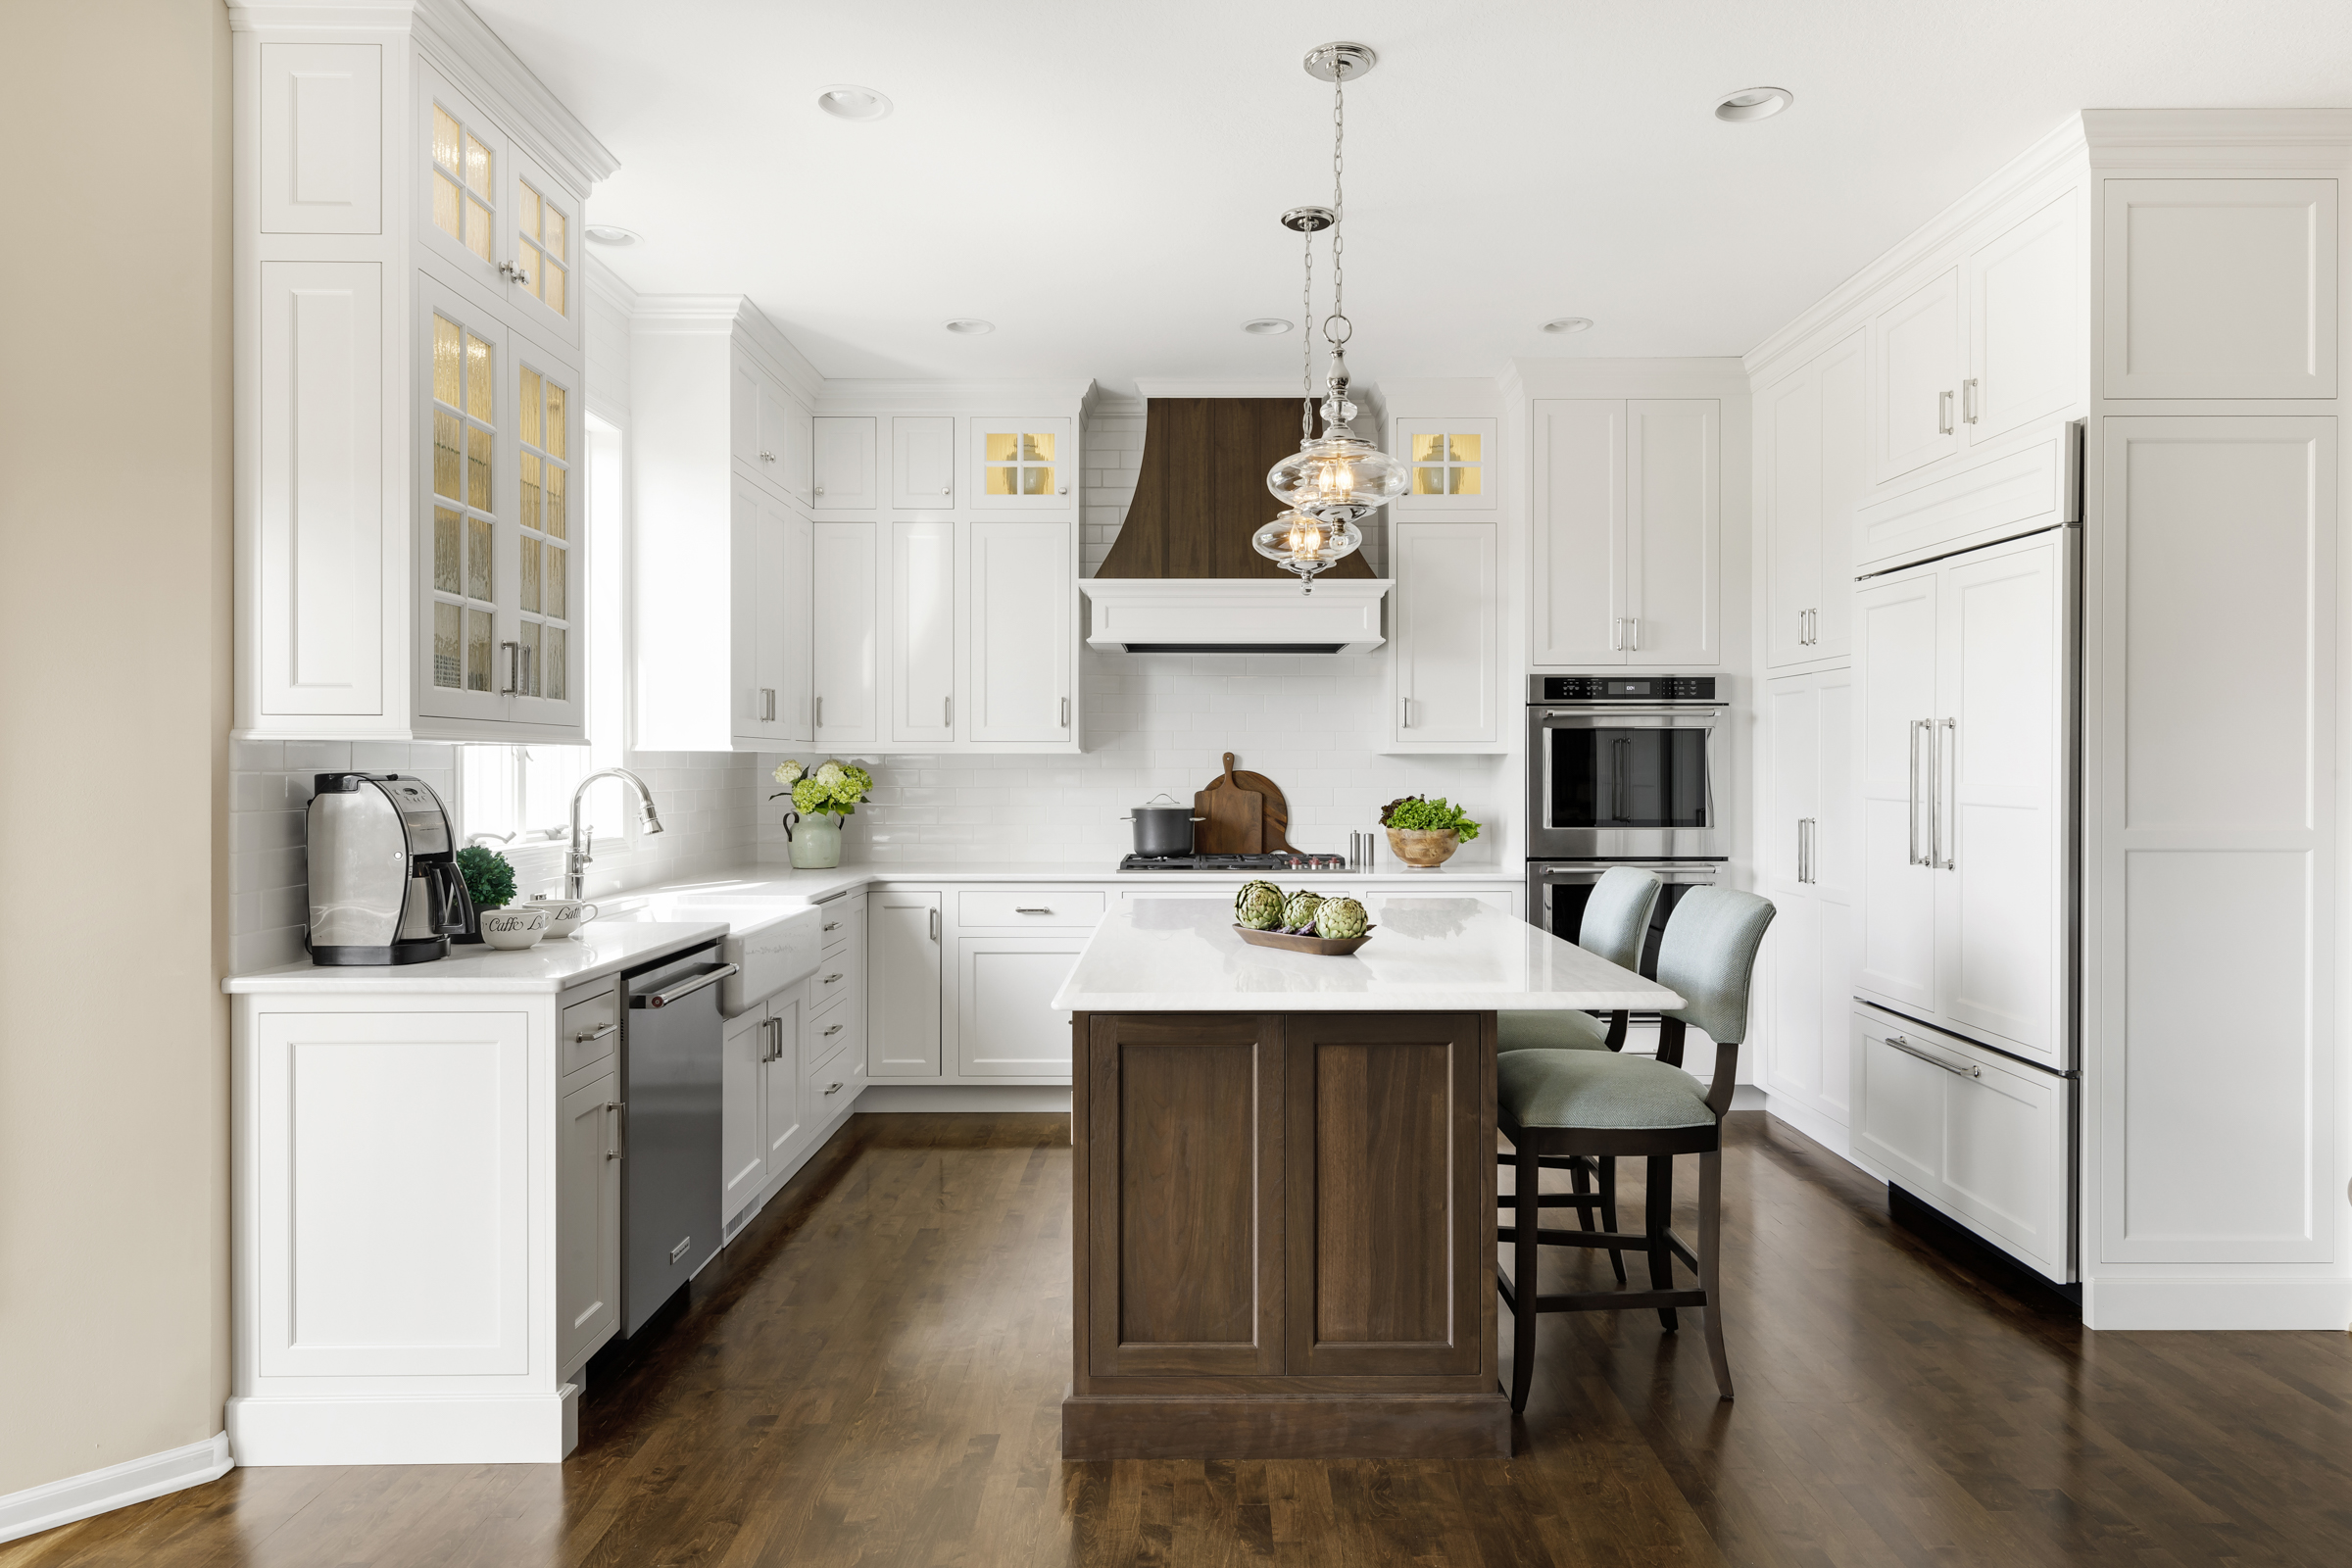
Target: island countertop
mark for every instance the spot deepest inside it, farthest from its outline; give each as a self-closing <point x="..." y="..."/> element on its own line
<point x="1428" y="954"/>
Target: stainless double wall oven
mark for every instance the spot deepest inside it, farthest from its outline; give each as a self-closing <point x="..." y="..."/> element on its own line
<point x="1620" y="770"/>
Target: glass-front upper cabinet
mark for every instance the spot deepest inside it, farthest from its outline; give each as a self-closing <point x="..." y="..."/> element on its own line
<point x="547" y="238"/>
<point x="1022" y="464"/>
<point x="465" y="207"/>
<point x="1452" y="464"/>
<point x="547" y="534"/>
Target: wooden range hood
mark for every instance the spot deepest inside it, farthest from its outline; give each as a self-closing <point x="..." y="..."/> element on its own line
<point x="1182" y="576"/>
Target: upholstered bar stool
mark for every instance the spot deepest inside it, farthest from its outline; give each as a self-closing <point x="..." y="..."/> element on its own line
<point x="1615" y="924"/>
<point x="1600" y="1103"/>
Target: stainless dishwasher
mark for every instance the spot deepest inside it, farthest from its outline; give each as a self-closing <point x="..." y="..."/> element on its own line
<point x="669" y="1091"/>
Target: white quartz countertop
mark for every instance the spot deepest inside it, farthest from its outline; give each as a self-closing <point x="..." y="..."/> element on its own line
<point x="557" y="963"/>
<point x="783" y="882"/>
<point x="1428" y="954"/>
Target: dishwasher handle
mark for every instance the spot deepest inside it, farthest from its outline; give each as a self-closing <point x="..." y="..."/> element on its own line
<point x="687" y="987"/>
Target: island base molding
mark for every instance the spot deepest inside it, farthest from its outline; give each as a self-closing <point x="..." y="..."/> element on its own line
<point x="1405" y="1426"/>
<point x="419" y="1428"/>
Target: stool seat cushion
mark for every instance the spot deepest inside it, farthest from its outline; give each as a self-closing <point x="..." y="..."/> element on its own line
<point x="1551" y="1030"/>
<point x="1597" y="1090"/>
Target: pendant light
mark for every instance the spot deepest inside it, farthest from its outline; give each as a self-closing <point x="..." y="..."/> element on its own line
<point x="1297" y="541"/>
<point x="1339" y="477"/>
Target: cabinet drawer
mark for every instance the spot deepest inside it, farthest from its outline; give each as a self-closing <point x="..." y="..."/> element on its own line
<point x="829" y="1034"/>
<point x="1019" y="908"/>
<point x="1971" y="1132"/>
<point x="830" y="1085"/>
<point x="839" y="922"/>
<point x="590" y="1032"/>
<point x="835" y="979"/>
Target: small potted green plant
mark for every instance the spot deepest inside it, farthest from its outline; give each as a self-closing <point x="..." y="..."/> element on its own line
<point x="821" y="798"/>
<point x="489" y="885"/>
<point x="1424" y="833"/>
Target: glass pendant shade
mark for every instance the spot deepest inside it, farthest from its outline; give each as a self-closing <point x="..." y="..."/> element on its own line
<point x="1306" y="545"/>
<point x="1338" y="476"/>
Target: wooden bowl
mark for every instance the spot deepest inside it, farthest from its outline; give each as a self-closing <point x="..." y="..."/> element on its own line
<point x="1423" y="851"/>
<point x="1327" y="946"/>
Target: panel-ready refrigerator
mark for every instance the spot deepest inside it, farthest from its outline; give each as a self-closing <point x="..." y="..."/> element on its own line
<point x="1965" y="1042"/>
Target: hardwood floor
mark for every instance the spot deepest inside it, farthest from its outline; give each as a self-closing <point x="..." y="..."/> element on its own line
<point x="871" y="1375"/>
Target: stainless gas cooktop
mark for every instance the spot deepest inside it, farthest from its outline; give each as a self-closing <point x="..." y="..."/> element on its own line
<point x="1233" y="862"/>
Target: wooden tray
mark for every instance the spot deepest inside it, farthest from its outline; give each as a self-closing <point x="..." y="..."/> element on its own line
<point x="1327" y="946"/>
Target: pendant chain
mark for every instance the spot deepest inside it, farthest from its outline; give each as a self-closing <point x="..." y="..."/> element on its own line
<point x="1339" y="205"/>
<point x="1306" y="342"/>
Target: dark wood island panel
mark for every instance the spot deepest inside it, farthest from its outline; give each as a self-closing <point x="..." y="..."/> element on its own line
<point x="1281" y="1236"/>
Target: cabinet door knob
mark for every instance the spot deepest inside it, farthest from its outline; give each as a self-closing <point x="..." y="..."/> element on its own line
<point x="820" y="489"/>
<point x="946" y="490"/>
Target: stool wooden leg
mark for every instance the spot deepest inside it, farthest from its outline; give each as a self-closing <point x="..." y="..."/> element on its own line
<point x="1710" y="1255"/>
<point x="1525" y="1217"/>
<point x="1579" y="1180"/>
<point x="1658" y="1219"/>
<point x="1608" y="1207"/>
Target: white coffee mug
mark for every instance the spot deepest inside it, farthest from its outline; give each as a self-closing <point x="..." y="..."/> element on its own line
<point x="565" y="916"/>
<point x="515" y="926"/>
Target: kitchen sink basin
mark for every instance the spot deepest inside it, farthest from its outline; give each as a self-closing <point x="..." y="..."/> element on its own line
<point x="773" y="941"/>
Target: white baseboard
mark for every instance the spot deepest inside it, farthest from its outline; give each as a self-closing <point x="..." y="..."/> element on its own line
<point x="118" y="1486"/>
<point x="1830" y="1135"/>
<point x="2159" y="1302"/>
<point x="893" y="1098"/>
<point x="421" y="1429"/>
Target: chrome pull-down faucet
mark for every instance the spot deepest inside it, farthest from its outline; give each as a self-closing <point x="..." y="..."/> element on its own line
<point x="576" y="862"/>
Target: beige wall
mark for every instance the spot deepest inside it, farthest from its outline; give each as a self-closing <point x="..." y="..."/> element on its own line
<point x="114" y="710"/>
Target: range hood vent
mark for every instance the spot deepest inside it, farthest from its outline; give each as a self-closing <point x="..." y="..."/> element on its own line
<point x="1182" y="578"/>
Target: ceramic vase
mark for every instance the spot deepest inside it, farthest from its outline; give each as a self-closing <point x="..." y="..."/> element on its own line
<point x="815" y="842"/>
<point x="1423" y="851"/>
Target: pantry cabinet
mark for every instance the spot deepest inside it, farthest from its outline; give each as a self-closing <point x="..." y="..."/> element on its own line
<point x="1627" y="557"/>
<point x="1813" y="472"/>
<point x="847" y="652"/>
<point x="770" y="613"/>
<point x="1806" y="863"/>
<point x="410" y="556"/>
<point x="1444" y="638"/>
<point x="922" y="595"/>
<point x="1022" y="597"/>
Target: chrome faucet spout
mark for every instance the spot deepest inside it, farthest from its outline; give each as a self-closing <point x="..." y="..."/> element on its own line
<point x="576" y="862"/>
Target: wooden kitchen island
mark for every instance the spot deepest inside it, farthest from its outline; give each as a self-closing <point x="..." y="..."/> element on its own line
<point x="1284" y="1180"/>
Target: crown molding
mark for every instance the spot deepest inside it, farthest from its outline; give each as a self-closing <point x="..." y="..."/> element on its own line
<point x="2061" y="145"/>
<point x="854" y="396"/>
<point x="606" y="286"/>
<point x="1696" y="377"/>
<point x="2268" y="141"/>
<point x="1425" y="397"/>
<point x="1153" y="386"/>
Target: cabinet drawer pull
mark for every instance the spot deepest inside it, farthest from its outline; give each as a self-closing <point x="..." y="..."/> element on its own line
<point x="835" y="1089"/>
<point x="597" y="1033"/>
<point x="835" y="976"/>
<point x="617" y="1130"/>
<point x="1033" y="908"/>
<point x="832" y="925"/>
<point x="836" y="1029"/>
<point x="1972" y="1070"/>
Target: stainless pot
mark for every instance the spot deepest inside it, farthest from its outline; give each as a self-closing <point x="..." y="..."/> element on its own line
<point x="1163" y="830"/>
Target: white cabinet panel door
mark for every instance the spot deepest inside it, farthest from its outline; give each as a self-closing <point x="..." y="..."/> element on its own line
<point x="843" y="462"/>
<point x="1022" y="604"/>
<point x="1579" y="534"/>
<point x="795" y="621"/>
<point x="544" y="288"/>
<point x="1446" y="635"/>
<point x="922" y="632"/>
<point x="784" y="440"/>
<point x="758" y="630"/>
<point x="742" y="1152"/>
<point x="847" y="652"/>
<point x="1674" y="514"/>
<point x="782" y="1117"/>
<point x="2026" y="355"/>
<point x="1789" y="413"/>
<point x="462" y="188"/>
<point x="1920" y="358"/>
<point x="1845" y="485"/>
<point x="1004" y="1027"/>
<point x="922" y="463"/>
<point x="322" y="138"/>
<point x="743" y="413"/>
<point x="587" y="1218"/>
<point x="902" y="984"/>
<point x="1895" y="668"/>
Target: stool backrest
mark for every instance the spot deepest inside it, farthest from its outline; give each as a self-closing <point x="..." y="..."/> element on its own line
<point x="1707" y="957"/>
<point x="1617" y="915"/>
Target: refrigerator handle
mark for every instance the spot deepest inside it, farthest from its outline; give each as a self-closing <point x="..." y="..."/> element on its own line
<point x="1946" y="841"/>
<point x="1913" y="816"/>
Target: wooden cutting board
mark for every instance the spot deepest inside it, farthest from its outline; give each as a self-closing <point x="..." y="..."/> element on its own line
<point x="1245" y="812"/>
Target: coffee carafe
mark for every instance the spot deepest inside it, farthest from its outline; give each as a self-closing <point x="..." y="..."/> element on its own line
<point x="385" y="882"/>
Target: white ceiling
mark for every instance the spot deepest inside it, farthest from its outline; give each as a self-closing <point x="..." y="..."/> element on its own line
<point x="1100" y="178"/>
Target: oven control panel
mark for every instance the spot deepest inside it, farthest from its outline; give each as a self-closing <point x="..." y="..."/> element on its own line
<point x="1621" y="688"/>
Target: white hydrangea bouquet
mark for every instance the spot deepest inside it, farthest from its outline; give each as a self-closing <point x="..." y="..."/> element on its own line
<point x="821" y="798"/>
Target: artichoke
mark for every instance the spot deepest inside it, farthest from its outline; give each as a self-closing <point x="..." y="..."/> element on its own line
<point x="1338" y="919"/>
<point x="1258" y="906"/>
<point x="1298" y="909"/>
<point x="1249" y="887"/>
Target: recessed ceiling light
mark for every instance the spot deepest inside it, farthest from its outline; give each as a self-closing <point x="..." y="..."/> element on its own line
<point x="1755" y="103"/>
<point x="611" y="234"/>
<point x="1568" y="323"/>
<point x="846" y="102"/>
<point x="1266" y="326"/>
<point x="970" y="326"/>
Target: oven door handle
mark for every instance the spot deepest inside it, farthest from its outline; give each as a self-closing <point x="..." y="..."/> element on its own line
<point x="1601" y="718"/>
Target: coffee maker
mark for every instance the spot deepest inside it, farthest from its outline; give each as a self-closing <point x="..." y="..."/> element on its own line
<point x="385" y="882"/>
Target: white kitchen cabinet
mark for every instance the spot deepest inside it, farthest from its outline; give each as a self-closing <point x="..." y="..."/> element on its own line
<point x="742" y="1150"/>
<point x="1969" y="1132"/>
<point x="1627" y="536"/>
<point x="1961" y="673"/>
<point x="2025" y="356"/>
<point x="922" y="463"/>
<point x="921" y="593"/>
<point x="1453" y="466"/>
<point x="1022" y="607"/>
<point x="783" y="1120"/>
<point x="408" y="395"/>
<point x="1003" y="1025"/>
<point x="902" y="984"/>
<point x="1444" y="638"/>
<point x="1813" y="440"/>
<point x="1806" y="867"/>
<point x="769" y="617"/>
<point x="587" y="1219"/>
<point x="843" y="461"/>
<point x="1922" y="342"/>
<point x="1022" y="463"/>
<point x="847" y="647"/>
<point x="767" y="429"/>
